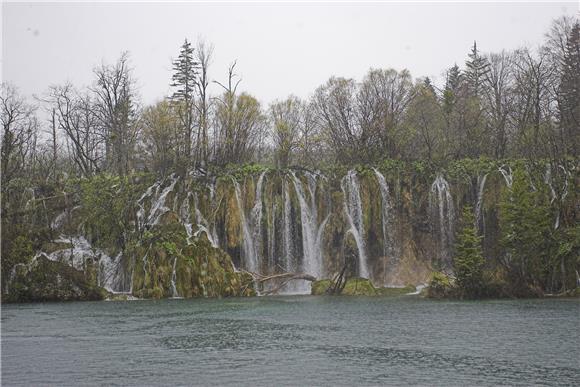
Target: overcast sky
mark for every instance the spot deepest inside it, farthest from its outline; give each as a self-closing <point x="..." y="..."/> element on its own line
<point x="281" y="49"/>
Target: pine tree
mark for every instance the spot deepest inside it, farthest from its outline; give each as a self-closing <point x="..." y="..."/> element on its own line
<point x="452" y="83"/>
<point x="468" y="261"/>
<point x="526" y="234"/>
<point x="477" y="70"/>
<point x="185" y="80"/>
<point x="569" y="93"/>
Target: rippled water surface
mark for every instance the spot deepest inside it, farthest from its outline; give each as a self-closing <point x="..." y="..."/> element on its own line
<point x="299" y="340"/>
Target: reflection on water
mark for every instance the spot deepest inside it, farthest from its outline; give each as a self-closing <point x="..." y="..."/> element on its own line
<point x="299" y="340"/>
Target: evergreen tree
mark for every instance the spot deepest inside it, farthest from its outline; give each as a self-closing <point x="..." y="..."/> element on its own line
<point x="569" y="93"/>
<point x="450" y="92"/>
<point x="184" y="79"/>
<point x="468" y="261"/>
<point x="526" y="234"/>
<point x="477" y="70"/>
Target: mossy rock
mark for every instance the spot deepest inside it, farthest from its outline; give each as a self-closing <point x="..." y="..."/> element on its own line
<point x="396" y="291"/>
<point x="320" y="287"/>
<point x="359" y="287"/>
<point x="46" y="280"/>
<point x="440" y="286"/>
<point x="51" y="247"/>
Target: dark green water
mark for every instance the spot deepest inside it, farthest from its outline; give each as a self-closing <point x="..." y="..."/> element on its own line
<point x="293" y="341"/>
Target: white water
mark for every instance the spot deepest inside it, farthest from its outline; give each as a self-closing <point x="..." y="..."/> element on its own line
<point x="353" y="210"/>
<point x="257" y="221"/>
<point x="387" y="218"/>
<point x="311" y="230"/>
<point x="158" y="208"/>
<point x="288" y="250"/>
<point x="174" y="293"/>
<point x="479" y="220"/>
<point x="248" y="253"/>
<point x="507" y="175"/>
<point x="441" y="204"/>
<point x="203" y="225"/>
<point x="110" y="276"/>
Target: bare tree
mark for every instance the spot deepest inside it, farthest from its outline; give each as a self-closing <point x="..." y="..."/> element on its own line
<point x="117" y="112"/>
<point x="498" y="94"/>
<point x="19" y="130"/>
<point x="77" y="119"/>
<point x="203" y="57"/>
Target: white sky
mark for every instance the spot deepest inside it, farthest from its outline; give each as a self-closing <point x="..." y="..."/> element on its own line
<point x="281" y="49"/>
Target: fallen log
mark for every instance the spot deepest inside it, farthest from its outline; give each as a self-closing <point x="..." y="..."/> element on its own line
<point x="285" y="278"/>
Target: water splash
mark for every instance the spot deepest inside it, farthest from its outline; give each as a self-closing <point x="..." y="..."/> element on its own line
<point x="354" y="214"/>
<point x="441" y="207"/>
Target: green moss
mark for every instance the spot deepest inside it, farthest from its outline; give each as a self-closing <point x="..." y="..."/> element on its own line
<point x="319" y="287"/>
<point x="396" y="291"/>
<point x="440" y="286"/>
<point x="47" y="280"/>
<point x="359" y="287"/>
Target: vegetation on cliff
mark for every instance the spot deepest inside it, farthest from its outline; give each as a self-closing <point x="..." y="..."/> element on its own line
<point x="168" y="199"/>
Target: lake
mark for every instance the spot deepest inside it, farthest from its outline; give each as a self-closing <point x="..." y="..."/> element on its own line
<point x="293" y="340"/>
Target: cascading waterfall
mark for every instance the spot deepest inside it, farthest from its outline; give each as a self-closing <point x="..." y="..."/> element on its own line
<point x="507" y="175"/>
<point x="203" y="225"/>
<point x="185" y="215"/>
<point x="387" y="218"/>
<point x="271" y="235"/>
<point x="174" y="292"/>
<point x="249" y="253"/>
<point x="257" y="221"/>
<point x="311" y="230"/>
<point x="158" y="208"/>
<point x="354" y="214"/>
<point x="287" y="239"/>
<point x="480" y="222"/>
<point x="443" y="208"/>
<point x="140" y="203"/>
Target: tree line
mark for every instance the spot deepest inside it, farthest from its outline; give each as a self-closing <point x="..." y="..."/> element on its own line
<point x="517" y="104"/>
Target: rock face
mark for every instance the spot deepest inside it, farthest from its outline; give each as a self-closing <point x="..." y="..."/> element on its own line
<point x="195" y="236"/>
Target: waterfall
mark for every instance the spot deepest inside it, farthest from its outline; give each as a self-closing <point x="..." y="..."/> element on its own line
<point x="387" y="218"/>
<point x="287" y="239"/>
<point x="479" y="220"/>
<point x="548" y="181"/>
<point x="249" y="253"/>
<point x="158" y="207"/>
<point x="257" y="221"/>
<point x="174" y="293"/>
<point x="443" y="208"/>
<point x="184" y="214"/>
<point x="141" y="212"/>
<point x="507" y="175"/>
<point x="271" y="235"/>
<point x="311" y="231"/>
<point x="203" y="225"/>
<point x="354" y="214"/>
